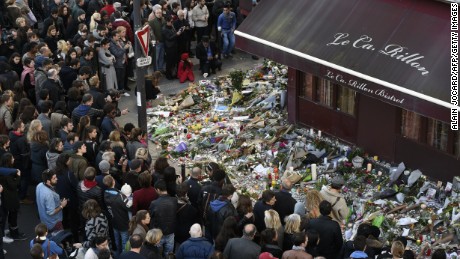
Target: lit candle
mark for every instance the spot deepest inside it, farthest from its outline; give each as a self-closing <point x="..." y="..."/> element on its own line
<point x="369" y="167"/>
<point x="312" y="132"/>
<point x="313" y="172"/>
<point x="379" y="173"/>
<point x="319" y="133"/>
<point x="376" y="158"/>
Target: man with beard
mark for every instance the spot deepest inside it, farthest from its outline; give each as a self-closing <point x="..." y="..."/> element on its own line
<point x="49" y="204"/>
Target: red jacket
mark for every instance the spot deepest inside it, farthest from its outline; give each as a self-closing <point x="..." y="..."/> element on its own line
<point x="142" y="199"/>
<point x="109" y="9"/>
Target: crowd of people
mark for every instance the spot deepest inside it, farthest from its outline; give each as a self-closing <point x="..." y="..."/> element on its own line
<point x="64" y="65"/>
<point x="96" y="37"/>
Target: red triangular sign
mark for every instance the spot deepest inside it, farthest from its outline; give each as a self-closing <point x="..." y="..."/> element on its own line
<point x="143" y="36"/>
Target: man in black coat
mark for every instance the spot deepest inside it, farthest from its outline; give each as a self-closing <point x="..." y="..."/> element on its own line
<point x="163" y="213"/>
<point x="20" y="149"/>
<point x="265" y="203"/>
<point x="119" y="212"/>
<point x="330" y="234"/>
<point x="284" y="202"/>
<point x="194" y="187"/>
<point x="209" y="56"/>
<point x="52" y="85"/>
<point x="69" y="73"/>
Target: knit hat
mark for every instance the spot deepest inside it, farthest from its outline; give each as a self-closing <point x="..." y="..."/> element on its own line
<point x="126" y="190"/>
<point x="104" y="166"/>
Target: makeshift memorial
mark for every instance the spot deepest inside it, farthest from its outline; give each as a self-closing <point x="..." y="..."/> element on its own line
<point x="238" y="121"/>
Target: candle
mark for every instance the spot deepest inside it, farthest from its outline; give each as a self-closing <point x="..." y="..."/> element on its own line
<point x="369" y="167"/>
<point x="335" y="164"/>
<point x="304" y="139"/>
<point x="313" y="172"/>
<point x="291" y="169"/>
<point x="319" y="133"/>
<point x="325" y="160"/>
<point x="379" y="173"/>
<point x="312" y="132"/>
<point x="376" y="158"/>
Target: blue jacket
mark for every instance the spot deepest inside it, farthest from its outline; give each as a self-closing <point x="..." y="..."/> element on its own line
<point x="107" y="127"/>
<point x="47" y="201"/>
<point x="227" y="23"/>
<point x="54" y="248"/>
<point x="195" y="248"/>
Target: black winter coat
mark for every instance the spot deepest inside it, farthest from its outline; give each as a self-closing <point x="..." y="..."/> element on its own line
<point x="20" y="150"/>
<point x="66" y="187"/>
<point x="259" y="214"/>
<point x="118" y="211"/>
<point x="10" y="196"/>
<point x="272" y="249"/>
<point x="85" y="194"/>
<point x="39" y="162"/>
<point x="330" y="236"/>
<point x="187" y="215"/>
<point x="284" y="204"/>
<point x="163" y="212"/>
<point x="54" y="89"/>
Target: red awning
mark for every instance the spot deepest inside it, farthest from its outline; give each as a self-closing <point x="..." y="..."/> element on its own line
<point x="396" y="51"/>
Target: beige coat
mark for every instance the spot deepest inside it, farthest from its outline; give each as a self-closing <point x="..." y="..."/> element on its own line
<point x="200" y="16"/>
<point x="339" y="209"/>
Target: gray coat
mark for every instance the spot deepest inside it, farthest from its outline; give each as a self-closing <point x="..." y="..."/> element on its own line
<point x="5" y="114"/>
<point x="46" y="124"/>
<point x="106" y="61"/>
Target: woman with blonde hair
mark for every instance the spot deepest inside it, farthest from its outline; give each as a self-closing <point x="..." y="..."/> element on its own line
<point x="62" y="49"/>
<point x="312" y="200"/>
<point x="95" y="19"/>
<point x="117" y="144"/>
<point x="292" y="226"/>
<point x="272" y="220"/>
<point x="397" y="249"/>
<point x="150" y="247"/>
<point x="34" y="127"/>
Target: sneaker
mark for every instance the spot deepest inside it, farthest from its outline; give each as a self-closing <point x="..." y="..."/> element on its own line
<point x="4" y="251"/>
<point x="132" y="79"/>
<point x="7" y="240"/>
<point x="16" y="235"/>
<point x="126" y="94"/>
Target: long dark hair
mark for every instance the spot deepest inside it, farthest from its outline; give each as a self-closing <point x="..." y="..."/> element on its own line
<point x="61" y="164"/>
<point x="6" y="160"/>
<point x="226" y="232"/>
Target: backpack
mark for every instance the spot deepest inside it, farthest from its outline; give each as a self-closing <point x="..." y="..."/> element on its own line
<point x="207" y="198"/>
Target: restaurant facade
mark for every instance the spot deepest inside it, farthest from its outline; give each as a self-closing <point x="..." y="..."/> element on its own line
<point x="374" y="73"/>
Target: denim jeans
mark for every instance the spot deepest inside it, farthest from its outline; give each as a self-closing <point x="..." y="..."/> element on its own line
<point x="167" y="243"/>
<point x="121" y="238"/>
<point x="160" y="56"/>
<point x="228" y="39"/>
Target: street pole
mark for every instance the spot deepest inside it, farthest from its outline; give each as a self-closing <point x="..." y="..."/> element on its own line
<point x="140" y="71"/>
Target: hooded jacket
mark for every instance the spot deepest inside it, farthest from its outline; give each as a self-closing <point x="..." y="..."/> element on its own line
<point x="218" y="211"/>
<point x="117" y="209"/>
<point x="20" y="150"/>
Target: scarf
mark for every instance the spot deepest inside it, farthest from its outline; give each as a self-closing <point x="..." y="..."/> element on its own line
<point x="89" y="184"/>
<point x="30" y="71"/>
